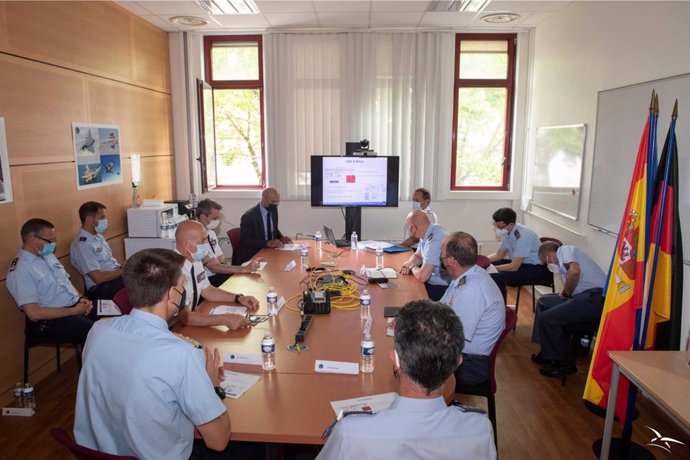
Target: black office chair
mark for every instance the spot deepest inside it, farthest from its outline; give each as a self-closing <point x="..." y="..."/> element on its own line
<point x="488" y="389"/>
<point x="32" y="339"/>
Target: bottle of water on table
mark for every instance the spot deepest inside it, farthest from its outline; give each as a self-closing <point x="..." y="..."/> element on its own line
<point x="353" y="241"/>
<point x="366" y="362"/>
<point x="268" y="352"/>
<point x="272" y="301"/>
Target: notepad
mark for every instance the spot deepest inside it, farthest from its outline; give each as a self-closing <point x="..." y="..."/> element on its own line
<point x="228" y="310"/>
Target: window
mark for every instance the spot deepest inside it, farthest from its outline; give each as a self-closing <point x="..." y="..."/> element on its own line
<point x="234" y="72"/>
<point x="483" y="109"/>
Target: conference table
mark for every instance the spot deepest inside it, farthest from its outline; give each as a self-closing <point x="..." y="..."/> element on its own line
<point x="291" y="404"/>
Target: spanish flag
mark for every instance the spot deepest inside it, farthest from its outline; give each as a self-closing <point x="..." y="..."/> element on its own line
<point x="625" y="289"/>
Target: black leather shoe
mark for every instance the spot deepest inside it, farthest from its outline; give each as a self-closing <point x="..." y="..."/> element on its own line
<point x="536" y="358"/>
<point x="558" y="370"/>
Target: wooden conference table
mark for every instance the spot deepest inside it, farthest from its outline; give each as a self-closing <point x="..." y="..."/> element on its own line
<point x="291" y="404"/>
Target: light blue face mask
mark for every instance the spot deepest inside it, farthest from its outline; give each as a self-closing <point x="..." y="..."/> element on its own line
<point x="47" y="249"/>
<point x="101" y="226"/>
<point x="201" y="251"/>
<point x="416" y="205"/>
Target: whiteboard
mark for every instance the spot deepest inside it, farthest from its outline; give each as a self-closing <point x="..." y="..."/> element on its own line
<point x="621" y="116"/>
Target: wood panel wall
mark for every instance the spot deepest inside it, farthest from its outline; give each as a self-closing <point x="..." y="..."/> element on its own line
<point x="65" y="62"/>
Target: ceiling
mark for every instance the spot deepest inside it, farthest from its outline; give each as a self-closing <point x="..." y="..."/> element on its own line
<point x="282" y="15"/>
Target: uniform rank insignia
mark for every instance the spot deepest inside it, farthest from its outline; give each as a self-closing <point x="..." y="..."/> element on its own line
<point x="462" y="281"/>
<point x="82" y="238"/>
<point x="517" y="234"/>
<point x="13" y="265"/>
<point x="341" y="415"/>
<point x="189" y="340"/>
<point x="468" y="409"/>
<point x="431" y="237"/>
<point x="200" y="277"/>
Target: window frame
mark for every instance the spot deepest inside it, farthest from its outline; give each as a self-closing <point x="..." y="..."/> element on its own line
<point x="209" y="41"/>
<point x="509" y="84"/>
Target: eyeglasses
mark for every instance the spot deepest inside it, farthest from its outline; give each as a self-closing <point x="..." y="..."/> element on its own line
<point x="44" y="239"/>
<point x="500" y="228"/>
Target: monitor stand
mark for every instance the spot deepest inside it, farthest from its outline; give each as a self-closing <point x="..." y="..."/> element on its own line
<point x="353" y="222"/>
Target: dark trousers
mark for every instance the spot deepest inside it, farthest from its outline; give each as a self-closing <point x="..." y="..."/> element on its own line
<point x="473" y="370"/>
<point x="235" y="450"/>
<point x="526" y="274"/>
<point x="583" y="307"/>
<point x="434" y="291"/>
<point x="70" y="329"/>
<point x="218" y="279"/>
<point x="103" y="291"/>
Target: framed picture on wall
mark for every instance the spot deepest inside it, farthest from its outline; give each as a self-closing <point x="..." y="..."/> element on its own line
<point x="97" y="155"/>
<point x="5" y="181"/>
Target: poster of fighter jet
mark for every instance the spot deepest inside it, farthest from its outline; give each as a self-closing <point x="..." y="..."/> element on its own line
<point x="97" y="155"/>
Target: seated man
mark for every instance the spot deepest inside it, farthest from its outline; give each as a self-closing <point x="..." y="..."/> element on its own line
<point x="580" y="301"/>
<point x="42" y="289"/>
<point x="477" y="301"/>
<point x="208" y="213"/>
<point x="420" y="200"/>
<point x="516" y="260"/>
<point x="259" y="226"/>
<point x="191" y="240"/>
<point x="419" y="424"/>
<point x="91" y="255"/>
<point x="425" y="263"/>
<point x="142" y="390"/>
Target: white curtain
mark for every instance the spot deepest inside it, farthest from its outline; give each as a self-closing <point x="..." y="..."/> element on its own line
<point x="325" y="89"/>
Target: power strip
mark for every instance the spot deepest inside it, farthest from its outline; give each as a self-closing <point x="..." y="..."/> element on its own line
<point x="303" y="329"/>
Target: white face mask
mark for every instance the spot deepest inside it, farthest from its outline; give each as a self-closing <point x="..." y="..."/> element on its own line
<point x="213" y="224"/>
<point x="501" y="232"/>
<point x="553" y="268"/>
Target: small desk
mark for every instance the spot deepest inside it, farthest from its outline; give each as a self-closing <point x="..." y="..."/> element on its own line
<point x="664" y="376"/>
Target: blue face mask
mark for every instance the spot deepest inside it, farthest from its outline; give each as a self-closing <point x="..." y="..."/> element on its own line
<point x="47" y="249"/>
<point x="201" y="251"/>
<point x="101" y="226"/>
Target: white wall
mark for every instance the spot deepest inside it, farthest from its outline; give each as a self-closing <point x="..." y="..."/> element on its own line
<point x="594" y="46"/>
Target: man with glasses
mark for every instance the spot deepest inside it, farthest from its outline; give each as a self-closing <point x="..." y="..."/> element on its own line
<point x="259" y="226"/>
<point x="43" y="290"/>
<point x="477" y="301"/>
<point x="517" y="259"/>
<point x="191" y="240"/>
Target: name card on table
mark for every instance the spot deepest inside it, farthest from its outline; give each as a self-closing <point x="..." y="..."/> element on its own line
<point x="336" y="367"/>
<point x="242" y="358"/>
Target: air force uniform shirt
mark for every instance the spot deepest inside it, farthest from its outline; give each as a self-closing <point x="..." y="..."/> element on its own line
<point x="411" y="429"/>
<point x="194" y="275"/>
<point x="522" y="242"/>
<point x="429" y="248"/>
<point x="591" y="276"/>
<point x="478" y="302"/>
<point x="142" y="390"/>
<point x="41" y="280"/>
<point x="215" y="250"/>
<point x="91" y="252"/>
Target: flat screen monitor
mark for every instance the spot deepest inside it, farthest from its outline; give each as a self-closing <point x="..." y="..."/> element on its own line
<point x="354" y="181"/>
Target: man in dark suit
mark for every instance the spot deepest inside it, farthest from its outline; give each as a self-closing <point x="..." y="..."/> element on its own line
<point x="259" y="226"/>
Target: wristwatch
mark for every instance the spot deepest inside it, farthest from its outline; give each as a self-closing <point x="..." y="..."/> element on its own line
<point x="566" y="295"/>
<point x="220" y="392"/>
<point x="237" y="297"/>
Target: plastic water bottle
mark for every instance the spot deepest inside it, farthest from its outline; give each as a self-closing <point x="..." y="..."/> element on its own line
<point x="317" y="238"/>
<point x="364" y="305"/>
<point x="29" y="398"/>
<point x="304" y="257"/>
<point x="379" y="257"/>
<point x="18" y="394"/>
<point x="366" y="361"/>
<point x="164" y="228"/>
<point x="268" y="352"/>
<point x="272" y="301"/>
<point x="353" y="241"/>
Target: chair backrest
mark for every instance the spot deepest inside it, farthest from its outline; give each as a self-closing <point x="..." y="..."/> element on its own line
<point x="511" y="321"/>
<point x="81" y="452"/>
<point x="121" y="299"/>
<point x="234" y="237"/>
<point x="483" y="261"/>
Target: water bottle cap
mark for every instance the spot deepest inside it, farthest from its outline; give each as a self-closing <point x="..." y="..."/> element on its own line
<point x="28" y="389"/>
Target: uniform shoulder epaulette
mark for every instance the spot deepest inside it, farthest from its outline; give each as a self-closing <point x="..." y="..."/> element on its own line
<point x="189" y="340"/>
<point x="462" y="281"/>
<point x="341" y="415"/>
<point x="82" y="238"/>
<point x="517" y="233"/>
<point x="468" y="409"/>
<point x="13" y="264"/>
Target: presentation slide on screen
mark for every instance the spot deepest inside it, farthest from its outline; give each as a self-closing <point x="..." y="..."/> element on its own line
<point x="354" y="181"/>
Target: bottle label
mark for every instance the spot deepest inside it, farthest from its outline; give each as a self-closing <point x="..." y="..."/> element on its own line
<point x="368" y="349"/>
<point x="364" y="301"/>
<point x="268" y="347"/>
<point x="272" y="298"/>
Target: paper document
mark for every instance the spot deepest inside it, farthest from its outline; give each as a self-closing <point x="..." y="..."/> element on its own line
<point x="107" y="308"/>
<point x="228" y="310"/>
<point x="491" y="269"/>
<point x="373" y="244"/>
<point x="290" y="247"/>
<point x="236" y="383"/>
<point x="262" y="265"/>
<point x="385" y="272"/>
<point x="372" y="403"/>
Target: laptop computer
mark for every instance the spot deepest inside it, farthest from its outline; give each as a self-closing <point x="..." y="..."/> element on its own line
<point x="331" y="238"/>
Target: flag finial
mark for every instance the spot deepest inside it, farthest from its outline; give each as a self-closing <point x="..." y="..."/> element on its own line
<point x="651" y="103"/>
<point x="656" y="104"/>
<point x="675" y="110"/>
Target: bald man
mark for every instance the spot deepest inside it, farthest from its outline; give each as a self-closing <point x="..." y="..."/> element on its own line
<point x="259" y="226"/>
<point x="425" y="263"/>
<point x="191" y="240"/>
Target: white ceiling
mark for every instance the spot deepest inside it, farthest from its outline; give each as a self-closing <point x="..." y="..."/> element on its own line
<point x="280" y="15"/>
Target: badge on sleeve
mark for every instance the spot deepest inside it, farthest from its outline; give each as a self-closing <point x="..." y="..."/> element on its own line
<point x="13" y="264"/>
<point x="200" y="277"/>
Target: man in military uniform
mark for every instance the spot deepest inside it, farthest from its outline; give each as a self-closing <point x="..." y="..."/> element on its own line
<point x="419" y="424"/>
<point x="425" y="264"/>
<point x="91" y="255"/>
<point x="177" y="385"/>
<point x="42" y="288"/>
<point x="421" y="198"/>
<point x="477" y="301"/>
<point x="517" y="259"/>
<point x="208" y="213"/>
<point x="191" y="240"/>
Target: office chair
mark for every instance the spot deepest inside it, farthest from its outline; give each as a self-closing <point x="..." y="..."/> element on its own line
<point x="32" y="339"/>
<point x="483" y="261"/>
<point x="81" y="452"/>
<point x="547" y="281"/>
<point x="121" y="299"/>
<point x="234" y="237"/>
<point x="488" y="389"/>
